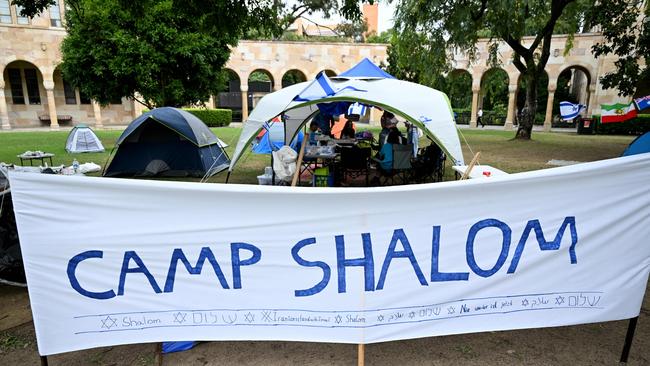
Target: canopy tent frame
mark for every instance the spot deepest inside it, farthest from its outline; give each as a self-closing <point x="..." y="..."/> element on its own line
<point x="351" y="99"/>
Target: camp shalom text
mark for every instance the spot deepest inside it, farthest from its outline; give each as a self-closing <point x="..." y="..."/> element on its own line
<point x="244" y="254"/>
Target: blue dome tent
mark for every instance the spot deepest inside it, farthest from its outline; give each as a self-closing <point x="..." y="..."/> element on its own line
<point x="167" y="142"/>
<point x="640" y="145"/>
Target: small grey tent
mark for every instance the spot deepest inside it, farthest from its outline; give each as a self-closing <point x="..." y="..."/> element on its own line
<point x="167" y="142"/>
<point x="82" y="139"/>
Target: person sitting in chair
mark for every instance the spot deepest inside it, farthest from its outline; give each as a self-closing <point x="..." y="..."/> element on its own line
<point x="313" y="133"/>
<point x="395" y="136"/>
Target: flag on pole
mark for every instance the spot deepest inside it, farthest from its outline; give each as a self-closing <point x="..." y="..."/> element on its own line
<point x="642" y="103"/>
<point x="569" y="111"/>
<point x="617" y="112"/>
<point x="320" y="88"/>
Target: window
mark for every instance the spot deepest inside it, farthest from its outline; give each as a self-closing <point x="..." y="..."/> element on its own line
<point x="16" y="83"/>
<point x="55" y="14"/>
<point x="21" y="19"/>
<point x="33" y="93"/>
<point x="68" y="91"/>
<point x="5" y="12"/>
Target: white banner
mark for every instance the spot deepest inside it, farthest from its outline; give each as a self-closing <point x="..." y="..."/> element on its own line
<point x="115" y="261"/>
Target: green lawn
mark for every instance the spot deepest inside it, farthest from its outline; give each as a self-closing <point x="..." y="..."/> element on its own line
<point x="497" y="149"/>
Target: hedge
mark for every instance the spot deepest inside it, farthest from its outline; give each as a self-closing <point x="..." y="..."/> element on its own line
<point x="211" y="117"/>
<point x="636" y="126"/>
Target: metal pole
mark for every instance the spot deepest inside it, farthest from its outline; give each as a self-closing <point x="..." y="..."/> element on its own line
<point x="43" y="360"/>
<point x="629" y="337"/>
<point x="228" y="177"/>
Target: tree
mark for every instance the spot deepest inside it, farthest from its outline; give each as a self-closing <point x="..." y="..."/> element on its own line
<point x="353" y="30"/>
<point x="169" y="52"/>
<point x="436" y="28"/>
<point x="627" y="35"/>
<point x="158" y="52"/>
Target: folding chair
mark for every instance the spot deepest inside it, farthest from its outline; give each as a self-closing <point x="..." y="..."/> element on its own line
<point x="354" y="162"/>
<point x="401" y="165"/>
<point x="429" y="165"/>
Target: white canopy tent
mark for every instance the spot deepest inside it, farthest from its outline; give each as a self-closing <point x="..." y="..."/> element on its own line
<point x="427" y="108"/>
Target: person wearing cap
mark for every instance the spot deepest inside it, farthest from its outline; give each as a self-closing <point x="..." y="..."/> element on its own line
<point x="388" y="123"/>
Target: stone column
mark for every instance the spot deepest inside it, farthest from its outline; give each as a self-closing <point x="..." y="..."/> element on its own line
<point x="472" y="118"/>
<point x="97" y="110"/>
<point x="548" y="119"/>
<point x="49" y="89"/>
<point x="4" y="112"/>
<point x="512" y="106"/>
<point x="244" y="102"/>
<point x="277" y="86"/>
<point x="591" y="99"/>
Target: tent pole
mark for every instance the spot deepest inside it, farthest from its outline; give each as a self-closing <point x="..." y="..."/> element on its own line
<point x="43" y="360"/>
<point x="361" y="354"/>
<point x="228" y="177"/>
<point x="629" y="337"/>
<point x="299" y="162"/>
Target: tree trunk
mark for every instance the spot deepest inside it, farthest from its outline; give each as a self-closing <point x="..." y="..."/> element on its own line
<point x="527" y="115"/>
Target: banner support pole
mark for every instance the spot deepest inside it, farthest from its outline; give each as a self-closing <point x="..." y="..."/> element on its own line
<point x="629" y="337"/>
<point x="361" y="355"/>
<point x="43" y="360"/>
<point x="158" y="357"/>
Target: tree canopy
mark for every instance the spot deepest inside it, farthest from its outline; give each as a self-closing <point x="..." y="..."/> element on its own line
<point x="430" y="32"/>
<point x="626" y="28"/>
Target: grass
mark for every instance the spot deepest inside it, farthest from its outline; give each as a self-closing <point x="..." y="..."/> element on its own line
<point x="497" y="149"/>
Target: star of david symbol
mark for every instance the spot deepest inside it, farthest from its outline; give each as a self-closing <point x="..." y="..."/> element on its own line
<point x="412" y="314"/>
<point x="451" y="310"/>
<point x="338" y="319"/>
<point x="524" y="303"/>
<point x="380" y="318"/>
<point x="109" y="322"/>
<point x="559" y="300"/>
<point x="180" y="317"/>
<point x="250" y="317"/>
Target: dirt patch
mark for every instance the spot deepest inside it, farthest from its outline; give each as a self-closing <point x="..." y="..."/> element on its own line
<point x="587" y="344"/>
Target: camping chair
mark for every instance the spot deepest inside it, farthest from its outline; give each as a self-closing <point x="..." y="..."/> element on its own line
<point x="429" y="165"/>
<point x="354" y="162"/>
<point x="400" y="167"/>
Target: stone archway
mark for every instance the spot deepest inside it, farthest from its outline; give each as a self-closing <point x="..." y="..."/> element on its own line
<point x="260" y="81"/>
<point x="493" y="96"/>
<point x="330" y="73"/>
<point x="293" y="76"/>
<point x="26" y="99"/>
<point x="574" y="84"/>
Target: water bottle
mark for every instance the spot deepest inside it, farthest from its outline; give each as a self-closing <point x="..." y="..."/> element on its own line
<point x="75" y="165"/>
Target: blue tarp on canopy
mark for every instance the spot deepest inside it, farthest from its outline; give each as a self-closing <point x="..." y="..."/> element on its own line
<point x="639" y="146"/>
<point x="366" y="68"/>
<point x="266" y="145"/>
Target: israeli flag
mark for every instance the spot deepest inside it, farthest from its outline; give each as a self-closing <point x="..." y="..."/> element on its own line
<point x="320" y="88"/>
<point x="357" y="109"/>
<point x="569" y="111"/>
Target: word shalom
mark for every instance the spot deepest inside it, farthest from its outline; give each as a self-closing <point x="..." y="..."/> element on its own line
<point x="254" y="255"/>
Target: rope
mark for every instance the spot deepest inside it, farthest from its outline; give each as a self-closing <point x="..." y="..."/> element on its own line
<point x="466" y="143"/>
